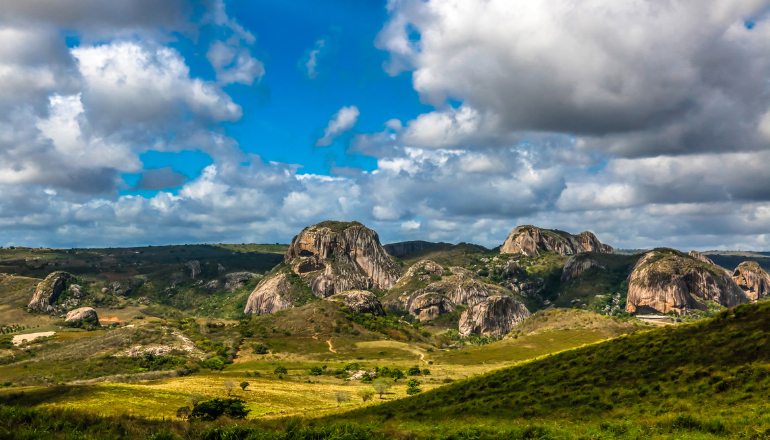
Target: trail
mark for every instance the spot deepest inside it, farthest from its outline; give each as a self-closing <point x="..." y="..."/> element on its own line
<point x="422" y="358"/>
<point x="330" y="346"/>
<point x="315" y="336"/>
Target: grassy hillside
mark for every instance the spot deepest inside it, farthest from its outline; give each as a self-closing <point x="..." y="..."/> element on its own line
<point x="447" y="254"/>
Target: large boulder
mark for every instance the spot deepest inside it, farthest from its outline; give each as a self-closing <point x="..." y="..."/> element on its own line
<point x="333" y="257"/>
<point x="49" y="290"/>
<point x="577" y="264"/>
<point x="752" y="279"/>
<point x="271" y="295"/>
<point x="530" y="240"/>
<point x="237" y="280"/>
<point x="494" y="316"/>
<point x="667" y="280"/>
<point x="360" y="301"/>
<point x="82" y="314"/>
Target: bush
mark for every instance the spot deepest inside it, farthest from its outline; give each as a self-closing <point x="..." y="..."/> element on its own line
<point x="213" y="409"/>
<point x="280" y="370"/>
<point x="215" y="363"/>
<point x="316" y="371"/>
<point x="414" y="371"/>
<point x="259" y="349"/>
<point x="425" y="372"/>
<point x="244" y="385"/>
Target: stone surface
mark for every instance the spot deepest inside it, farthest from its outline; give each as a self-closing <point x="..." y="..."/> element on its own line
<point x="494" y="316"/>
<point x="48" y="291"/>
<point x="406" y="247"/>
<point x="333" y="257"/>
<point x="577" y="264"/>
<point x="701" y="257"/>
<point x="237" y="280"/>
<point x="360" y="301"/>
<point x="752" y="279"/>
<point x="667" y="280"/>
<point x="529" y="240"/>
<point x="81" y="314"/>
<point x="271" y="295"/>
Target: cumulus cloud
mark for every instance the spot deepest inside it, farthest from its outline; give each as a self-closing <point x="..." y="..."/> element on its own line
<point x="341" y="122"/>
<point x="160" y="178"/>
<point x="310" y="61"/>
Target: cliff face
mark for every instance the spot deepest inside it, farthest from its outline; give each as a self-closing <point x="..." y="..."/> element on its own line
<point x="360" y="301"/>
<point x="577" y="264"/>
<point x="754" y="281"/>
<point x="48" y="291"/>
<point x="529" y="240"/>
<point x="406" y="247"/>
<point x="665" y="280"/>
<point x="333" y="257"/>
<point x="495" y="315"/>
<point x="700" y="257"/>
<point x="271" y="295"/>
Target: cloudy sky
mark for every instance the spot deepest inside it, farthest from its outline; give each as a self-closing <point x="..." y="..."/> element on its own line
<point x="135" y="122"/>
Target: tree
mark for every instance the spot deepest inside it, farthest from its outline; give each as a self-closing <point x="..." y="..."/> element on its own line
<point x="397" y="374"/>
<point x="280" y="370"/>
<point x="213" y="409"/>
<point x="194" y="399"/>
<point x="260" y="349"/>
<point x="229" y="386"/>
<point x="342" y="397"/>
<point x="426" y="372"/>
<point x="183" y="412"/>
<point x="366" y="394"/>
<point x="413" y="387"/>
<point x="244" y="384"/>
<point x="316" y="371"/>
<point x="414" y="371"/>
<point x="381" y="386"/>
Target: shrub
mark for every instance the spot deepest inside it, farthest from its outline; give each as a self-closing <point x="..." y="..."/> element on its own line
<point x="425" y="372"/>
<point x="244" y="385"/>
<point x="316" y="371"/>
<point x="259" y="349"/>
<point x="280" y="370"/>
<point x="381" y="386"/>
<point x="213" y="409"/>
<point x="366" y="394"/>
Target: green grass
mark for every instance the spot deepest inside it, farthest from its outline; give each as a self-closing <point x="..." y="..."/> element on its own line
<point x="446" y="254"/>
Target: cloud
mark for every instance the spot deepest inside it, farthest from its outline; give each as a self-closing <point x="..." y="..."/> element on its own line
<point x="160" y="178"/>
<point x="341" y="122"/>
<point x="312" y="59"/>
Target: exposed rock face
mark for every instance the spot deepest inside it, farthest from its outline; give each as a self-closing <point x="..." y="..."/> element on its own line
<point x="495" y="315"/>
<point x="360" y="301"/>
<point x="406" y="247"/>
<point x="700" y="257"/>
<point x="752" y="279"/>
<point x="577" y="264"/>
<point x="76" y="290"/>
<point x="48" y="291"/>
<point x="271" y="295"/>
<point x="237" y="280"/>
<point x="333" y="257"/>
<point x="529" y="240"/>
<point x="81" y="314"/>
<point x="665" y="280"/>
<point x="195" y="268"/>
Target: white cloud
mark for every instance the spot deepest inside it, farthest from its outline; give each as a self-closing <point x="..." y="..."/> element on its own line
<point x="233" y="64"/>
<point x="341" y="122"/>
<point x="312" y="59"/>
<point x="410" y="225"/>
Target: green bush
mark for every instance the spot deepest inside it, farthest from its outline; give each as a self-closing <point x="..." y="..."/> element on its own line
<point x="260" y="349"/>
<point x="316" y="371"/>
<point x="213" y="409"/>
<point x="280" y="370"/>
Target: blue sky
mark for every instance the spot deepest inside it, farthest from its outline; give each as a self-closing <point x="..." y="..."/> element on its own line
<point x="136" y="122"/>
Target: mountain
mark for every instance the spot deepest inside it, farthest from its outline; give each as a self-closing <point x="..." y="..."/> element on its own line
<point x="530" y="240"/>
<point x="667" y="280"/>
<point x="752" y="279"/>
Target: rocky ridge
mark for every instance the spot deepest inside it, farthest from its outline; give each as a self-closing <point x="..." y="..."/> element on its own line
<point x="754" y="280"/>
<point x="271" y="295"/>
<point x="494" y="315"/>
<point x="406" y="247"/>
<point x="48" y="291"/>
<point x="665" y="280"/>
<point x="530" y="240"/>
<point x="360" y="301"/>
<point x="577" y="264"/>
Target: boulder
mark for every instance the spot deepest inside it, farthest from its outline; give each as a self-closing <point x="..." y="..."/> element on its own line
<point x="360" y="301"/>
<point x="406" y="247"/>
<point x="237" y="280"/>
<point x="333" y="257"/>
<point x="754" y="281"/>
<point x="81" y="314"/>
<point x="49" y="290"/>
<point x="577" y="264"/>
<point x="271" y="295"/>
<point x="494" y="316"/>
<point x="530" y="240"/>
<point x="665" y="280"/>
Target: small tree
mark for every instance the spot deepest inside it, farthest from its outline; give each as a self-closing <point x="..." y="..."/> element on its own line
<point x="194" y="399"/>
<point x="414" y="371"/>
<point x="426" y="372"/>
<point x="259" y="349"/>
<point x="341" y="397"/>
<point x="244" y="384"/>
<point x="229" y="386"/>
<point x="397" y="374"/>
<point x="366" y="394"/>
<point x="316" y="371"/>
<point x="212" y="409"/>
<point x="280" y="370"/>
<point x="184" y="412"/>
<point x="413" y="387"/>
<point x="381" y="386"/>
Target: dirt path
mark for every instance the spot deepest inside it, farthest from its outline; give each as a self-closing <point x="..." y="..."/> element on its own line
<point x="330" y="346"/>
<point x="315" y="336"/>
<point x="422" y="358"/>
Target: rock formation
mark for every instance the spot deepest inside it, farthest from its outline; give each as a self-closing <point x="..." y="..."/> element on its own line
<point x="82" y="314"/>
<point x="754" y="281"/>
<point x="406" y="247"/>
<point x="665" y="279"/>
<point x="48" y="291"/>
<point x="237" y="280"/>
<point x="333" y="257"/>
<point x="495" y="315"/>
<point x="271" y="295"/>
<point x="529" y="240"/>
<point x="701" y="257"/>
<point x="360" y="301"/>
<point x="577" y="264"/>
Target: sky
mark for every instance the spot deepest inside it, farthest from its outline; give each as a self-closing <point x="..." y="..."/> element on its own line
<point x="150" y="122"/>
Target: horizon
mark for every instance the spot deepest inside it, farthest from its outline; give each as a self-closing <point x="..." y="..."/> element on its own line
<point x="182" y="121"/>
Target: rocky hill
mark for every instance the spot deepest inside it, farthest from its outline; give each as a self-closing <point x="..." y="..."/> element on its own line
<point x="665" y="280"/>
<point x="752" y="279"/>
<point x="408" y="247"/>
<point x="530" y="240"/>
